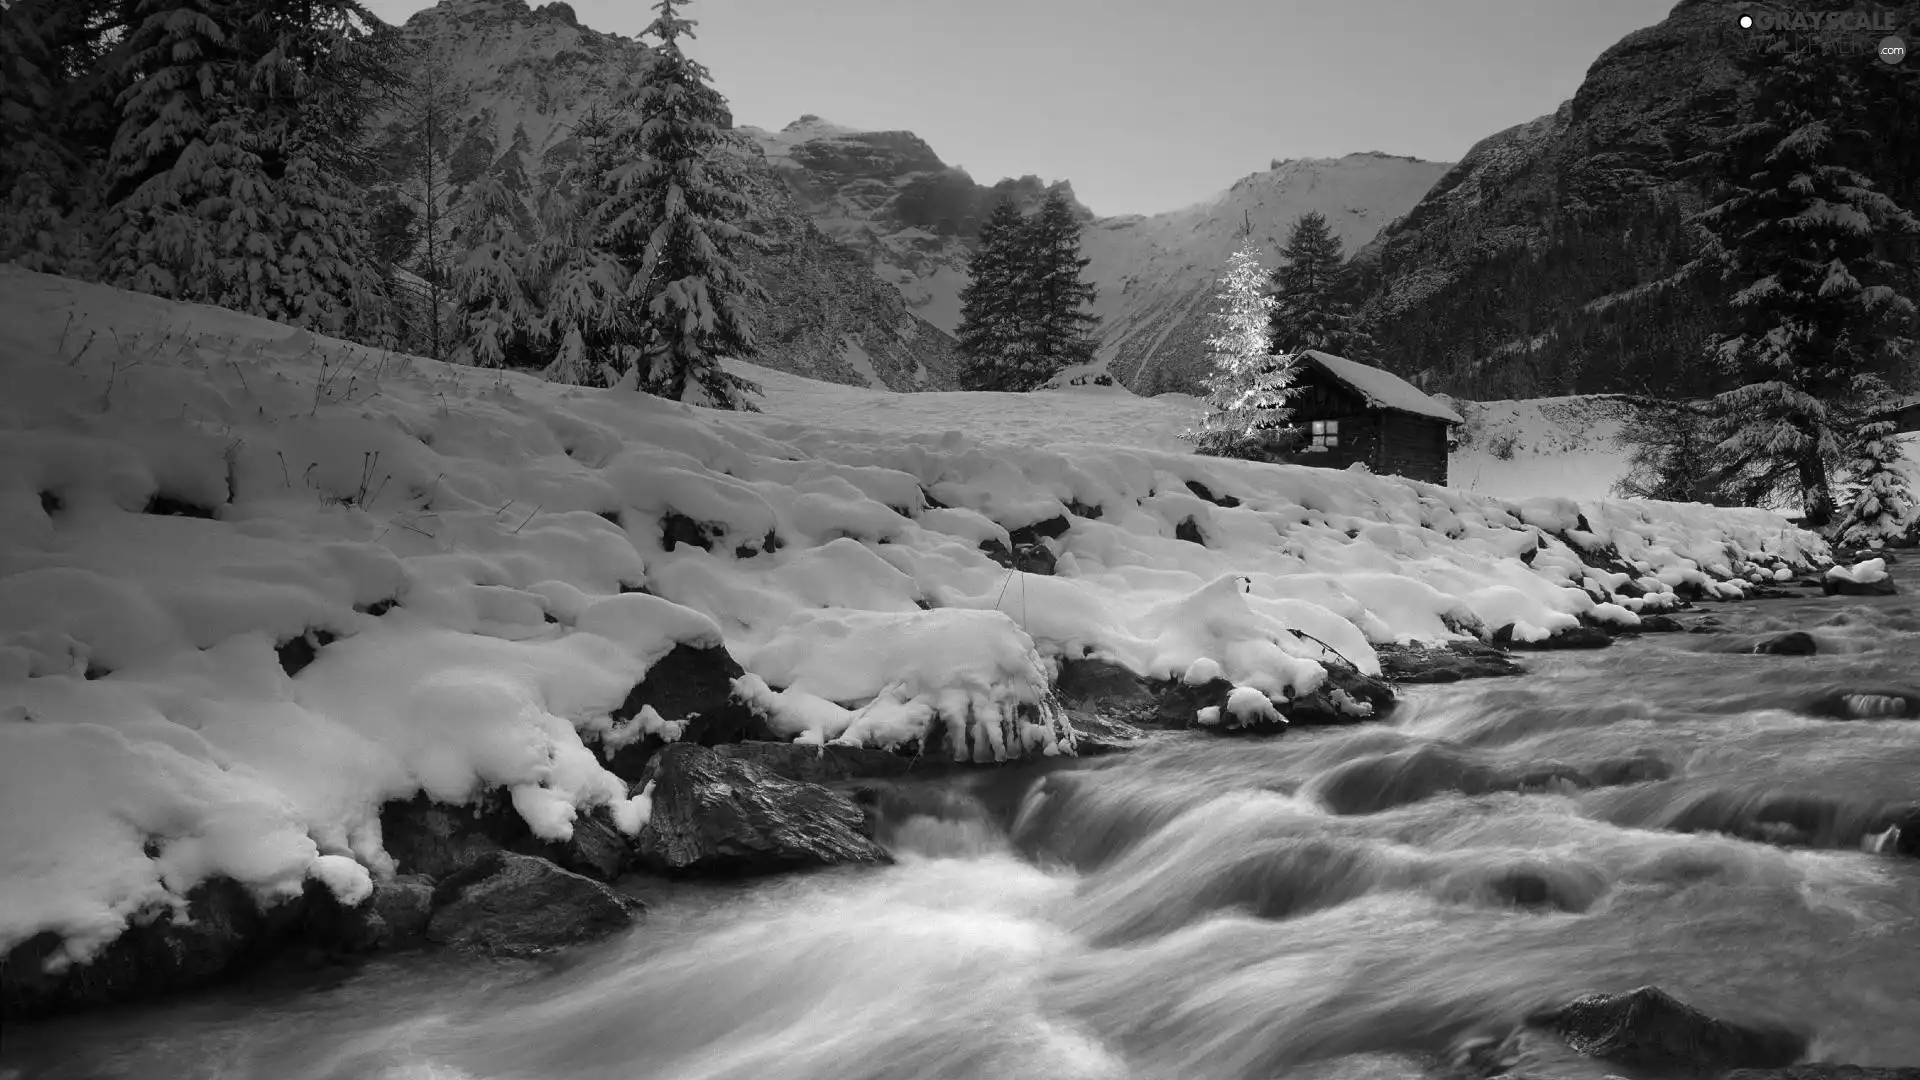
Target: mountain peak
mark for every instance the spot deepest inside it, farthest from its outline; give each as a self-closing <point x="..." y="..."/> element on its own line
<point x="811" y="126"/>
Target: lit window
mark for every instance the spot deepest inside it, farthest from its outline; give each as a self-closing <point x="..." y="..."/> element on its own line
<point x="1326" y="433"/>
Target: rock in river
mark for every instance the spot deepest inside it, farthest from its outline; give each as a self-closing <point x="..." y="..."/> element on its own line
<point x="505" y="904"/>
<point x="1651" y="1029"/>
<point x="718" y="814"/>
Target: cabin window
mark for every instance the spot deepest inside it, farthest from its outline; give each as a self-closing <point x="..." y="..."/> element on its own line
<point x="1326" y="433"/>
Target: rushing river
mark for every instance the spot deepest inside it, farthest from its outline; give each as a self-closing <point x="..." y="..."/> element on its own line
<point x="1198" y="910"/>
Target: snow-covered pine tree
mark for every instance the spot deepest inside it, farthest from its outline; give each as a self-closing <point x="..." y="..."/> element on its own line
<point x="314" y="71"/>
<point x="992" y="332"/>
<point x="1879" y="503"/>
<point x="1800" y="235"/>
<point x="223" y="181"/>
<point x="491" y="290"/>
<point x="179" y="154"/>
<point x="1310" y="313"/>
<point x="588" y="327"/>
<point x="673" y="216"/>
<point x="1248" y="389"/>
<point x="1062" y="327"/>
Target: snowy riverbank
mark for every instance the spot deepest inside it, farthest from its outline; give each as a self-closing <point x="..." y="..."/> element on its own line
<point x="257" y="584"/>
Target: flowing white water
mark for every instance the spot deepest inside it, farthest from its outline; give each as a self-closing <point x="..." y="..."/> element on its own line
<point x="1352" y="904"/>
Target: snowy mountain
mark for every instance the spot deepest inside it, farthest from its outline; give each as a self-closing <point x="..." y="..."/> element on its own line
<point x="890" y="196"/>
<point x="887" y="195"/>
<point x="1548" y="261"/>
<point x="529" y="74"/>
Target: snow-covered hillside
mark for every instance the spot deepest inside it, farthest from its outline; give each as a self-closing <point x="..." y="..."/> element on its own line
<point x="480" y="566"/>
<point x="1565" y="446"/>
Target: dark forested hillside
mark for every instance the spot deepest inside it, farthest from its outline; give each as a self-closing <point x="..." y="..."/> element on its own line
<point x="1551" y="259"/>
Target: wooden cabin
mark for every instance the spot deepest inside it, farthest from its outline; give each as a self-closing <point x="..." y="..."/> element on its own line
<point x="1351" y="412"/>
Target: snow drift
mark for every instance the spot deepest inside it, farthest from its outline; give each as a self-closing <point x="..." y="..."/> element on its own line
<point x="255" y="583"/>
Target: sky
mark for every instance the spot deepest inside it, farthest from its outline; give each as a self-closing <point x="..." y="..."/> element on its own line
<point x="1145" y="105"/>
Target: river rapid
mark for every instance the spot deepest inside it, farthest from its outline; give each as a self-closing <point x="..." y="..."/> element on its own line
<point x="1323" y="905"/>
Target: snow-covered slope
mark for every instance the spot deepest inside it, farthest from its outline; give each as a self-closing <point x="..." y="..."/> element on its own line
<point x="528" y="75"/>
<point x="184" y="489"/>
<point x="1566" y="446"/>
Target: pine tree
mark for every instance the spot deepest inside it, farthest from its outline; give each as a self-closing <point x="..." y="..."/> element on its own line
<point x="1880" y="504"/>
<point x="1799" y="235"/>
<point x="50" y="102"/>
<point x="1062" y="329"/>
<point x="179" y="153"/>
<point x="1311" y="314"/>
<point x="224" y="183"/>
<point x="497" y="313"/>
<point x="1249" y="387"/>
<point x="587" y="328"/>
<point x="428" y="115"/>
<point x="1672" y="455"/>
<point x="992" y="332"/>
<point x="672" y="216"/>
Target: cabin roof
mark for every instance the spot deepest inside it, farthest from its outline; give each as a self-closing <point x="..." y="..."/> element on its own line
<point x="1381" y="389"/>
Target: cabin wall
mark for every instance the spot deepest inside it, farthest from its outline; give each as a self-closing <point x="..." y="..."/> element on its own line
<point x="1359" y="441"/>
<point x="1413" y="446"/>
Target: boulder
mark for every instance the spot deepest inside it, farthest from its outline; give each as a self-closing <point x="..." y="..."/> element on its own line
<point x="714" y="814"/>
<point x="1452" y="662"/>
<point x="1178" y="704"/>
<point x="1347" y="697"/>
<point x="1578" y="637"/>
<point x="518" y="905"/>
<point x="1095" y="734"/>
<point x="435" y="839"/>
<point x="817" y="764"/>
<point x="1033" y="558"/>
<point x="692" y="685"/>
<point x="1882" y="703"/>
<point x="161" y="952"/>
<point x="1106" y="688"/>
<point x="1649" y="1028"/>
<point x="1659" y="624"/>
<point x="1791" y="643"/>
<point x="1837" y="586"/>
<point x="395" y="917"/>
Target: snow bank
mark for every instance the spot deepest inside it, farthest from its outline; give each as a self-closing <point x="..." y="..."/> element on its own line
<point x="1568" y="446"/>
<point x="198" y="503"/>
<point x="1867" y="572"/>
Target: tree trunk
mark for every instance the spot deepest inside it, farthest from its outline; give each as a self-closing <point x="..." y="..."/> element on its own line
<point x="1816" y="493"/>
